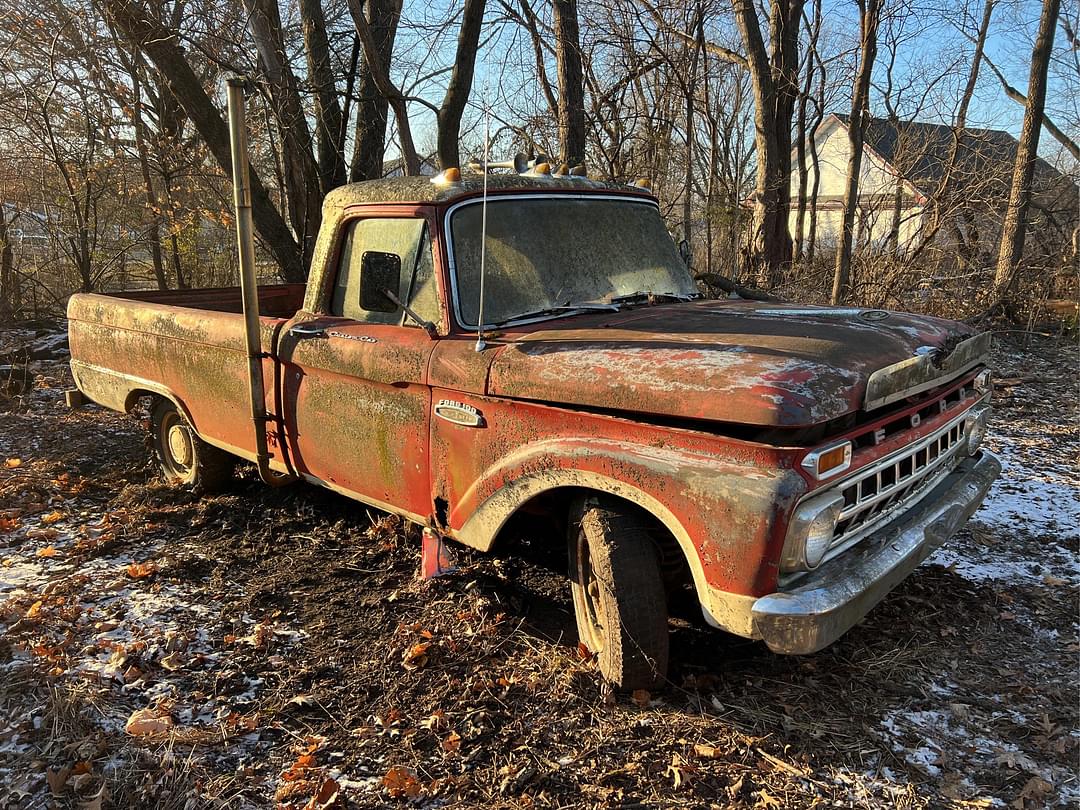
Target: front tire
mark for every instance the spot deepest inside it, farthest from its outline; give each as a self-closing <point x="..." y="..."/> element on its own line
<point x="187" y="461"/>
<point x="618" y="592"/>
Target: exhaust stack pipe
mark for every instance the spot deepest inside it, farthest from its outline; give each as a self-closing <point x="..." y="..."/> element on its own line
<point x="249" y="290"/>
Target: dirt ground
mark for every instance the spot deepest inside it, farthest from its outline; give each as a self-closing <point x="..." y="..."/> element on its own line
<point x="274" y="647"/>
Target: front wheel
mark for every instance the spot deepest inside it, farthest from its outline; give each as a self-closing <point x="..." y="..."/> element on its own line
<point x="618" y="592"/>
<point x="185" y="459"/>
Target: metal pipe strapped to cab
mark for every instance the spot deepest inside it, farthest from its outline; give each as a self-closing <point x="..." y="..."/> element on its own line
<point x="249" y="290"/>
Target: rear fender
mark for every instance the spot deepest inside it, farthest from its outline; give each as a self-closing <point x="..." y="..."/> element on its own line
<point x="119" y="391"/>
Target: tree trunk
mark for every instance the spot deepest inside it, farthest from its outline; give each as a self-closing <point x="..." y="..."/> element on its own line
<point x="329" y="132"/>
<point x="302" y="193"/>
<point x="7" y="270"/>
<point x="870" y="12"/>
<point x="161" y="46"/>
<point x="815" y="162"/>
<point x="460" y="84"/>
<point x="571" y="85"/>
<point x="153" y="210"/>
<point x="1015" y="225"/>
<point x="372" y="108"/>
<point x="775" y="82"/>
<point x="380" y="77"/>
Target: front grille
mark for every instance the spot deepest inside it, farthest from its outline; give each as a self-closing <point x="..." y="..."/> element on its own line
<point x="875" y="493"/>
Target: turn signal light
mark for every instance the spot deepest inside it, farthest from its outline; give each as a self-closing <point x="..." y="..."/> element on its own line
<point x="828" y="462"/>
<point x="542" y="168"/>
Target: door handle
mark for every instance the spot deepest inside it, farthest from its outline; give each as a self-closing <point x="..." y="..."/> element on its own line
<point x="307" y="330"/>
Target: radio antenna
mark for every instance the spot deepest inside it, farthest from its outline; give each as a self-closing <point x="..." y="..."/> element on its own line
<point x="480" y="345"/>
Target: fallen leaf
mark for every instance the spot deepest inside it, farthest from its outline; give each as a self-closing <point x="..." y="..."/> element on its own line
<point x="325" y="797"/>
<point x="48" y="551"/>
<point x="436" y="720"/>
<point x="707" y="751"/>
<point x="146" y="722"/>
<point x="452" y="744"/>
<point x="43" y="534"/>
<point x="764" y="800"/>
<point x="12" y="463"/>
<point x="416" y="657"/>
<point x="1036" y="789"/>
<point x="35" y="609"/>
<point x="93" y="802"/>
<point x="132" y="674"/>
<point x="172" y="661"/>
<point x="52" y="517"/>
<point x="400" y="781"/>
<point x="141" y="570"/>
<point x="57" y="777"/>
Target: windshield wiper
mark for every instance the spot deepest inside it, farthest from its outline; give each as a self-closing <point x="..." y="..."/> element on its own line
<point x="646" y="295"/>
<point x="538" y="313"/>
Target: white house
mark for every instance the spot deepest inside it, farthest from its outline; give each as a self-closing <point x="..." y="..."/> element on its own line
<point x="902" y="170"/>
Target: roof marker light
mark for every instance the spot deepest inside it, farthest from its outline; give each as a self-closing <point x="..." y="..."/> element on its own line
<point x="447" y="176"/>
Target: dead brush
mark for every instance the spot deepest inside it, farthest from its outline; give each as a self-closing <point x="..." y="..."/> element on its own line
<point x="118" y="771"/>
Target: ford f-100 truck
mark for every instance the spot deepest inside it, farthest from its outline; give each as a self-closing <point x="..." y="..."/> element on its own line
<point x="465" y="351"/>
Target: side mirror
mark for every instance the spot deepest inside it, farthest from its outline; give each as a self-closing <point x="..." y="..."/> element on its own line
<point x="379" y="272"/>
<point x="684" y="251"/>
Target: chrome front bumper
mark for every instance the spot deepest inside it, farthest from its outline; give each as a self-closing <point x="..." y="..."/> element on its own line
<point x="829" y="601"/>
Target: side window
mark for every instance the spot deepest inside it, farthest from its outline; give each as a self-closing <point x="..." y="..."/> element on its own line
<point x="409" y="239"/>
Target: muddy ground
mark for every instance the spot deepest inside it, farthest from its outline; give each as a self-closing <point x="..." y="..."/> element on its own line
<point x="276" y="648"/>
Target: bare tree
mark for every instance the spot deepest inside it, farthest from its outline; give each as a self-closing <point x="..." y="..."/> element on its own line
<point x="161" y="46"/>
<point x="1015" y="225"/>
<point x="869" y="17"/>
<point x="571" y="86"/>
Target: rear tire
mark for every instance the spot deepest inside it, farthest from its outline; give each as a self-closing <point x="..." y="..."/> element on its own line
<point x="618" y="592"/>
<point x="187" y="461"/>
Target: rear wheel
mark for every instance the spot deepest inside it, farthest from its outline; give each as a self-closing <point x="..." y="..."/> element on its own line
<point x="618" y="592"/>
<point x="185" y="459"/>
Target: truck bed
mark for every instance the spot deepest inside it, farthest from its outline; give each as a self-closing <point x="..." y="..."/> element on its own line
<point x="185" y="345"/>
<point x="275" y="300"/>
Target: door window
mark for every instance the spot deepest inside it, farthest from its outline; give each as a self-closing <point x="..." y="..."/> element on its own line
<point x="409" y="239"/>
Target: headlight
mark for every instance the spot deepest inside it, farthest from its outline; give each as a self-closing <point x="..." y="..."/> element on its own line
<point x="810" y="532"/>
<point x="975" y="427"/>
<point x="828" y="461"/>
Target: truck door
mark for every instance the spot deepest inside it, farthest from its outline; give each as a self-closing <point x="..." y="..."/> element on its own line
<point x="354" y="381"/>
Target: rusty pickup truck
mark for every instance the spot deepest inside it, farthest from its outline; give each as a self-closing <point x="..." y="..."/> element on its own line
<point x="468" y="351"/>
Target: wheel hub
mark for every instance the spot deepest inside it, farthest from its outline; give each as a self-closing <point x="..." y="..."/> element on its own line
<point x="180" y="445"/>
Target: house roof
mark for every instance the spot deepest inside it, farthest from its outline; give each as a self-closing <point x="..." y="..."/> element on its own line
<point x="920" y="151"/>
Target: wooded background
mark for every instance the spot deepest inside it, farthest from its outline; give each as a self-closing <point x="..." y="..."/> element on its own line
<point x="114" y="157"/>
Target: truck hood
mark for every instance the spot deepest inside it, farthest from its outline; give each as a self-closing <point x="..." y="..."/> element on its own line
<point x="741" y="362"/>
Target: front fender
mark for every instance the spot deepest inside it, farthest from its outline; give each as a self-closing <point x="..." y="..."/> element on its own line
<point x="727" y="517"/>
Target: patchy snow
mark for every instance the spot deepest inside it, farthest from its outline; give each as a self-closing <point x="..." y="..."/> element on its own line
<point x="1035" y="496"/>
<point x="1032" y="492"/>
<point x="943" y="742"/>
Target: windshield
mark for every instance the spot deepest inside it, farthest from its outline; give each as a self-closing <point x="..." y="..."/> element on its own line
<point x="546" y="253"/>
